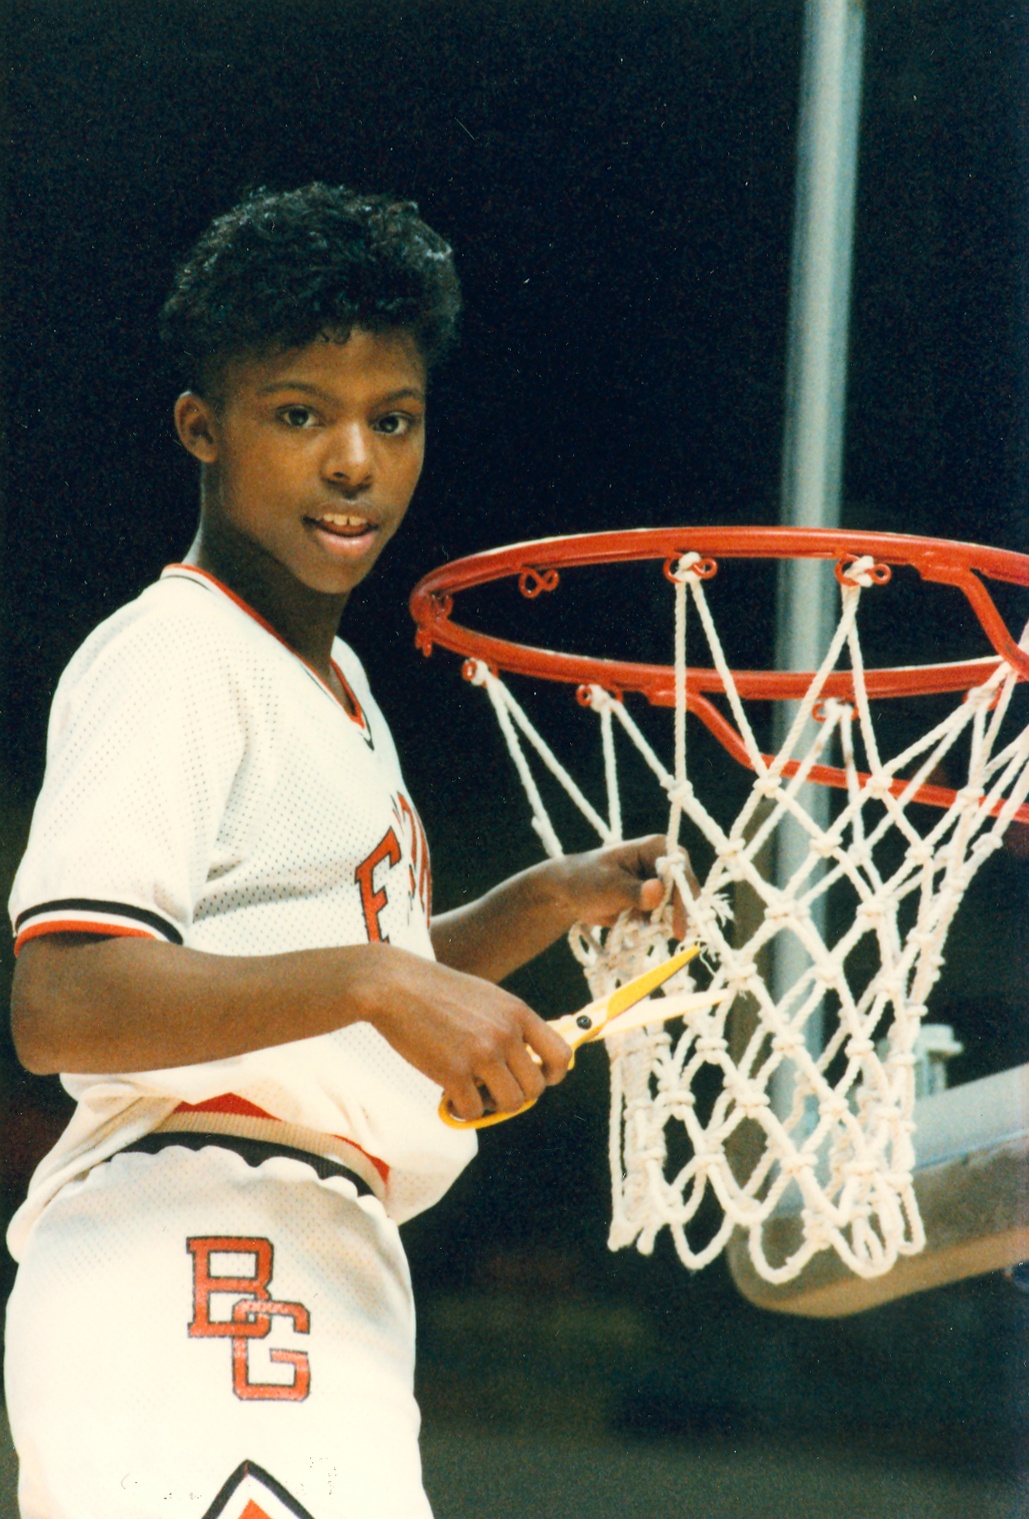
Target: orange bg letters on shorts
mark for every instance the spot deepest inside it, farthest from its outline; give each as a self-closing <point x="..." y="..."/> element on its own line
<point x="252" y="1315"/>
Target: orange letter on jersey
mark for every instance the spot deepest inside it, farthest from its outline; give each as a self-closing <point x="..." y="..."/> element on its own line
<point x="252" y="1318"/>
<point x="374" y="900"/>
<point x="256" y="1286"/>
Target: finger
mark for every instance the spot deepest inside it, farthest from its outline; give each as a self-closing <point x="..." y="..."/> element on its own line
<point x="649" y="851"/>
<point x="680" y="917"/>
<point x="505" y="1091"/>
<point x="527" y="1072"/>
<point x="465" y="1100"/>
<point x="651" y="896"/>
<point x="691" y="879"/>
<point x="554" y="1054"/>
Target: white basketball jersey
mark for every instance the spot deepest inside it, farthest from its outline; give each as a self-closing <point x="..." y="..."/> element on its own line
<point x="205" y="787"/>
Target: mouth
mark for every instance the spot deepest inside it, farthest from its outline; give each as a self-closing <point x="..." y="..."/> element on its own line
<point x="343" y="533"/>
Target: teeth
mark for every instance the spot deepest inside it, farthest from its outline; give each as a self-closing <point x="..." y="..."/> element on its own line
<point x="340" y="519"/>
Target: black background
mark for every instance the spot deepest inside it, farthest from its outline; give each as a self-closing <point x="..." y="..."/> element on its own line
<point x="617" y="180"/>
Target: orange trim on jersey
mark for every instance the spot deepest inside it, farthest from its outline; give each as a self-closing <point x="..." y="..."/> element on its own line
<point x="79" y="926"/>
<point x="380" y="1165"/>
<point x="228" y="1102"/>
<point x="356" y="716"/>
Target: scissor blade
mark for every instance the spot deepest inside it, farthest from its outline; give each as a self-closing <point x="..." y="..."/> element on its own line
<point x="591" y="1022"/>
<point x="641" y="986"/>
<point x="660" y="1009"/>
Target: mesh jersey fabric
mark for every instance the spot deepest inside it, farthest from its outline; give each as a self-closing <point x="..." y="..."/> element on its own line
<point x="205" y="787"/>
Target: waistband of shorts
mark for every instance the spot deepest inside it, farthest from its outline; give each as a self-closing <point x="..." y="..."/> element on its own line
<point x="258" y="1139"/>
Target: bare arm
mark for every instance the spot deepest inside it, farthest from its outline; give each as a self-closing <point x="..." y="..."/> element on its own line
<point x="520" y="918"/>
<point x="124" y="1004"/>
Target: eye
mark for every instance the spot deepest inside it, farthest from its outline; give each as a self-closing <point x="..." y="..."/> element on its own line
<point x="395" y="424"/>
<point x="298" y="416"/>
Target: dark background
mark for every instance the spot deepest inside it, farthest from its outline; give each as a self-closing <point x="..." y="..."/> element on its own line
<point x="617" y="180"/>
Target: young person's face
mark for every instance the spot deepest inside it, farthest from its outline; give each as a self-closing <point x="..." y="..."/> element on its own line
<point x="313" y="455"/>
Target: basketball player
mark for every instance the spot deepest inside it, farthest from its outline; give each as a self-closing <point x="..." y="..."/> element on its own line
<point x="224" y="941"/>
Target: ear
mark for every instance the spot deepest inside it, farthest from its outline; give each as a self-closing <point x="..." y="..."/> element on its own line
<point x="196" y="425"/>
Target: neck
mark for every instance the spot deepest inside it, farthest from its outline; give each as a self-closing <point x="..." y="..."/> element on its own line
<point x="306" y="619"/>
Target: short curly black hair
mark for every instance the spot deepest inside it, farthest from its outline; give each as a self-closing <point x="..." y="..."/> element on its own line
<point x="283" y="268"/>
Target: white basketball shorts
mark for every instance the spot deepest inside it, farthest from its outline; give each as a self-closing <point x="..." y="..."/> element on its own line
<point x="193" y="1335"/>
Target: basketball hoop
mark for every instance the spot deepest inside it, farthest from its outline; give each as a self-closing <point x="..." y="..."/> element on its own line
<point x="739" y="1106"/>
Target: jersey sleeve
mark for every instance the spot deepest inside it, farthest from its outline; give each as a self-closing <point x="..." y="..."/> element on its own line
<point x="146" y="735"/>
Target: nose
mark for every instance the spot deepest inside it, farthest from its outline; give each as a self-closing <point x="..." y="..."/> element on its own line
<point x="348" y="457"/>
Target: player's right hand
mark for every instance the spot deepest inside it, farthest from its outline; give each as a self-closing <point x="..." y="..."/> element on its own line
<point x="485" y="1047"/>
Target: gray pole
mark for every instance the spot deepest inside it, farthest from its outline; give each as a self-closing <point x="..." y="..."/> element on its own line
<point x="816" y="366"/>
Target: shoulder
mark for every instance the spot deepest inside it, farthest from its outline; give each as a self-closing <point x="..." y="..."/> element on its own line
<point x="171" y="627"/>
<point x="175" y="650"/>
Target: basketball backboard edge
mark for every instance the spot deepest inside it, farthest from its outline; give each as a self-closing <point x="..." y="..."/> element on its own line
<point x="972" y="1185"/>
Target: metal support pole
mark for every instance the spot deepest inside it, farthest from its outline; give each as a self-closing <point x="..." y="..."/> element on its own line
<point x="816" y="365"/>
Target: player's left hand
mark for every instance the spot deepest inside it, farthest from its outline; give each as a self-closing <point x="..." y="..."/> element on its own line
<point x="603" y="883"/>
<point x="523" y="916"/>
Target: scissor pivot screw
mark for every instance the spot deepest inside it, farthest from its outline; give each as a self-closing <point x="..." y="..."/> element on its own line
<point x="584" y="1021"/>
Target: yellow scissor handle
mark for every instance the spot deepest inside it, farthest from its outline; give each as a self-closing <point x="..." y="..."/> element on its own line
<point x="591" y="1022"/>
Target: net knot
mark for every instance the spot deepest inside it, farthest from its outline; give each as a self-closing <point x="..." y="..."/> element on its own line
<point x="732" y="854"/>
<point x="749" y="1098"/>
<point x="475" y="671"/>
<point x="787" y="1042"/>
<point x="679" y="568"/>
<point x="711" y="1044"/>
<point x="892" y="988"/>
<point x="781" y="909"/>
<point x="872" y="910"/>
<point x="835" y="1107"/>
<point x="862" y="570"/>
<point x="877" y="786"/>
<point x="767" y="785"/>
<point x="824" y="846"/>
<point x="597" y="698"/>
<point x="817" y="1230"/>
<point x="739" y="977"/>
<point x="953" y="889"/>
<point x="667" y="863"/>
<point x="703" y="1162"/>
<point x="860" y="1047"/>
<point x="681" y="793"/>
<point x="863" y="1167"/>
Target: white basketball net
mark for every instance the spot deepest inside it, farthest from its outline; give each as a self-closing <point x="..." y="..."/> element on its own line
<point x="823" y="1133"/>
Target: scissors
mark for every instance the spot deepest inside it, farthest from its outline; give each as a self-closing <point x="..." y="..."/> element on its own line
<point x="622" y="1009"/>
